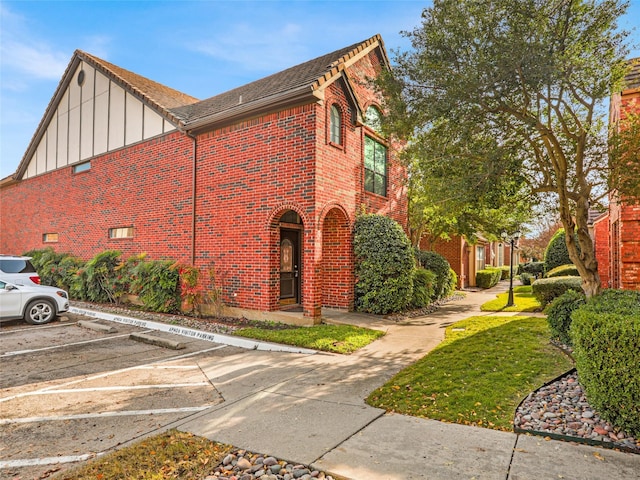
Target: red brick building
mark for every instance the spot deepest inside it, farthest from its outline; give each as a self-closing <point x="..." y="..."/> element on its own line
<point x="617" y="232"/>
<point x="261" y="184"/>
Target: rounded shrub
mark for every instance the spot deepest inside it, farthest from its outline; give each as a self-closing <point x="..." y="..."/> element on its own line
<point x="439" y="265"/>
<point x="556" y="253"/>
<point x="559" y="314"/>
<point x="547" y="289"/>
<point x="535" y="269"/>
<point x="385" y="265"/>
<point x="423" y="287"/>
<point x="488" y="277"/>
<point x="569" y="270"/>
<point x="526" y="278"/>
<point x="606" y="339"/>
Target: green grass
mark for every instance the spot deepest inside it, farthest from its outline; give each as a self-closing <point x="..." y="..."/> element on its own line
<point x="478" y="375"/>
<point x="328" y="338"/>
<point x="522" y="297"/>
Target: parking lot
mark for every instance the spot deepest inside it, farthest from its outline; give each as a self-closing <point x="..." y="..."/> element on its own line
<point x="69" y="392"/>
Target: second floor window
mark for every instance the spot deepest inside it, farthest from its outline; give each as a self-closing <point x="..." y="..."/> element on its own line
<point x="375" y="167"/>
<point x="335" y="126"/>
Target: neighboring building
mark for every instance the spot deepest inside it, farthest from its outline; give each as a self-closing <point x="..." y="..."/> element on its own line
<point x="467" y="258"/>
<point x="261" y="184"/>
<point x="617" y="232"/>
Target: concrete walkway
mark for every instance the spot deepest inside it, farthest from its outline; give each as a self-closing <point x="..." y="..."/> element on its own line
<point x="310" y="409"/>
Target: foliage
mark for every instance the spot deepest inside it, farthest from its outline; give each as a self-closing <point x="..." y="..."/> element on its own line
<point x="559" y="314"/>
<point x="423" y="287"/>
<point x="488" y="277"/>
<point x="556" y="253"/>
<point x="157" y="285"/>
<point x="525" y="278"/>
<point x="384" y="265"/>
<point x="467" y="380"/>
<point x="100" y="279"/>
<point x="563" y="271"/>
<point x="328" y="338"/>
<point x="172" y="454"/>
<point x="625" y="157"/>
<point x="505" y="100"/>
<point x="547" y="289"/>
<point x="452" y="285"/>
<point x="606" y="339"/>
<point x="56" y="269"/>
<point x="439" y="265"/>
<point x="505" y="271"/>
<point x="523" y="300"/>
<point x="533" y="268"/>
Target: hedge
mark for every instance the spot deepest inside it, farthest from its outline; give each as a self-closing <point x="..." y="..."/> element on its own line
<point x="385" y="265"/>
<point x="559" y="314"/>
<point x="568" y="270"/>
<point x="556" y="253"/>
<point x="535" y="269"/>
<point x="547" y="289"/>
<point x="606" y="339"/>
<point x="423" y="287"/>
<point x="488" y="277"/>
<point x="439" y="265"/>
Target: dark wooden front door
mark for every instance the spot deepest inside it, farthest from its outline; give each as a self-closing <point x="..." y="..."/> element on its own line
<point x="289" y="267"/>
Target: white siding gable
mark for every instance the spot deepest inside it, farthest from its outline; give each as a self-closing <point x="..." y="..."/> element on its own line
<point x="93" y="117"/>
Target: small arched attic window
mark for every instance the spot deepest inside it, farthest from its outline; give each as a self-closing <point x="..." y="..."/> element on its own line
<point x="335" y="125"/>
<point x="373" y="119"/>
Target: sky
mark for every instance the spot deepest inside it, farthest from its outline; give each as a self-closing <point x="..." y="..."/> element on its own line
<point x="201" y="48"/>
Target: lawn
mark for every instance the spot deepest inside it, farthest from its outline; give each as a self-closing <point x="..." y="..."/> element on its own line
<point x="343" y="339"/>
<point x="478" y="375"/>
<point x="522" y="297"/>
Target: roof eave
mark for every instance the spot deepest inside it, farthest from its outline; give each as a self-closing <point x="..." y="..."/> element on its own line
<point x="299" y="96"/>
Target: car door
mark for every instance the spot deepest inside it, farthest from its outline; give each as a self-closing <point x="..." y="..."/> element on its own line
<point x="10" y="301"/>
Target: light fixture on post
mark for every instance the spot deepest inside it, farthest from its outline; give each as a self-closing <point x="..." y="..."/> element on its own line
<point x="513" y="240"/>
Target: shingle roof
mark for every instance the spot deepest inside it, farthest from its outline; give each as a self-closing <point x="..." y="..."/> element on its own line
<point x="632" y="79"/>
<point x="163" y="97"/>
<point x="303" y="78"/>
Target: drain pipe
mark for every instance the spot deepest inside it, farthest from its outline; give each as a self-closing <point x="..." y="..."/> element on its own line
<point x="193" y="198"/>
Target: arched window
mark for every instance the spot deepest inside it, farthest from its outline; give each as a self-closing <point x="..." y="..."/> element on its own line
<point x="335" y="126"/>
<point x="375" y="156"/>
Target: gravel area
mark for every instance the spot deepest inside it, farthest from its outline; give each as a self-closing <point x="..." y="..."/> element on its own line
<point x="561" y="408"/>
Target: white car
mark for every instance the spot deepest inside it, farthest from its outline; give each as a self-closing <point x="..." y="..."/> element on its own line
<point x="18" y="270"/>
<point x="36" y="304"/>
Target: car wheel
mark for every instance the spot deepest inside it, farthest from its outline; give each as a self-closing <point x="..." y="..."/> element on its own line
<point x="39" y="312"/>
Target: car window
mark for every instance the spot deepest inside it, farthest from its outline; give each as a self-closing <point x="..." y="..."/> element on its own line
<point x="16" y="266"/>
<point x="2" y="285"/>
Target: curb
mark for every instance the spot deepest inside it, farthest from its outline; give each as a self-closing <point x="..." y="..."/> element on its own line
<point x="98" y="327"/>
<point x="229" y="340"/>
<point x="157" y="341"/>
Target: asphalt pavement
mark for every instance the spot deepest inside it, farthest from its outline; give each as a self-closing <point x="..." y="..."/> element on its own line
<point x="310" y="409"/>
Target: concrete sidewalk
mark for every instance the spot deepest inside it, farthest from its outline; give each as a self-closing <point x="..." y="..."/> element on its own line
<point x="310" y="409"/>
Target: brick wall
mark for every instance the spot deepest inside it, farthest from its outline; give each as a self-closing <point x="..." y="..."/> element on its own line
<point x="602" y="249"/>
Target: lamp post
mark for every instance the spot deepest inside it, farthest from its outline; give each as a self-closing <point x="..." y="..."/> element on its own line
<point x="512" y="239"/>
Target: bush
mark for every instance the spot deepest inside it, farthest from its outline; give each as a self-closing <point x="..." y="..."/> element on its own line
<point x="506" y="271"/>
<point x="56" y="269"/>
<point x="423" y="287"/>
<point x="559" y="314"/>
<point x="452" y="285"/>
<point x="535" y="269"/>
<point x="606" y="339"/>
<point x="437" y="264"/>
<point x="488" y="277"/>
<point x="526" y="278"/>
<point x="569" y="270"/>
<point x="547" y="289"/>
<point x="385" y="265"/>
<point x="157" y="284"/>
<point x="556" y="253"/>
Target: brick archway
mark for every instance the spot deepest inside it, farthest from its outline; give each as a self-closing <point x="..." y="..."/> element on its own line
<point x="337" y="277"/>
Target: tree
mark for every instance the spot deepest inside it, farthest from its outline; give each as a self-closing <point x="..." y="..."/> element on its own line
<point x="503" y="90"/>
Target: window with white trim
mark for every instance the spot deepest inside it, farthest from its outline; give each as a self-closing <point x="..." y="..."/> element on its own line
<point x="335" y="125"/>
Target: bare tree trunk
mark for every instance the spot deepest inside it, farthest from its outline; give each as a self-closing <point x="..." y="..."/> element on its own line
<point x="583" y="258"/>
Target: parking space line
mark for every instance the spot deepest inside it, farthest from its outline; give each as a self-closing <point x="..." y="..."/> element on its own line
<point x="32" y="462"/>
<point x="122" y="413"/>
<point x="37" y="327"/>
<point x="122" y="387"/>
<point x="54" y="347"/>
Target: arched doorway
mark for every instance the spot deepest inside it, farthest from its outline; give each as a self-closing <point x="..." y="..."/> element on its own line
<point x="290" y="264"/>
